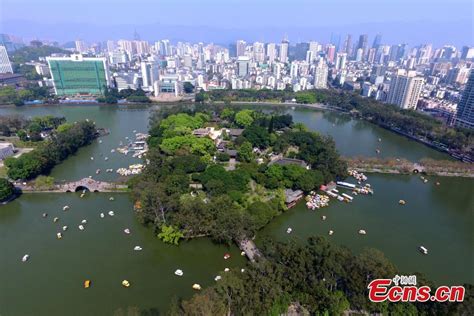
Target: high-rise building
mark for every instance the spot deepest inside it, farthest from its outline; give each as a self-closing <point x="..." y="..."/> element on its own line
<point x="467" y="52"/>
<point x="330" y="52"/>
<point x="341" y="59"/>
<point x="259" y="52"/>
<point x="362" y="44"/>
<point x="405" y="89"/>
<point x="241" y="47"/>
<point x="78" y="75"/>
<point x="110" y="46"/>
<point x="321" y="74"/>
<point x="150" y="73"/>
<point x="309" y="56"/>
<point x="5" y="65"/>
<point x="377" y="41"/>
<point x="80" y="47"/>
<point x="294" y="70"/>
<point x="284" y="50"/>
<point x="314" y="47"/>
<point x="335" y="40"/>
<point x="243" y="65"/>
<point x="271" y="52"/>
<point x="347" y="47"/>
<point x="465" y="110"/>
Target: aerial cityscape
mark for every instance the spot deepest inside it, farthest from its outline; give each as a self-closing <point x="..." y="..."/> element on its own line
<point x="285" y="165"/>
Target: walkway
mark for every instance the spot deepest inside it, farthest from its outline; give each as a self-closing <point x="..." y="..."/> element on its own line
<point x="250" y="249"/>
<point x="87" y="184"/>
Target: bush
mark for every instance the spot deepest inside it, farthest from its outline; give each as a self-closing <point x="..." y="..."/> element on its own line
<point x="6" y="189"/>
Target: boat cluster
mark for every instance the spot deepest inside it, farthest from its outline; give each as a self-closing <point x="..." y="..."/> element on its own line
<point x="316" y="201"/>
<point x="132" y="169"/>
<point x="366" y="189"/>
<point x="359" y="176"/>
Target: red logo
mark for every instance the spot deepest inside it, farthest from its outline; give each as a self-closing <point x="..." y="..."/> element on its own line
<point x="404" y="289"/>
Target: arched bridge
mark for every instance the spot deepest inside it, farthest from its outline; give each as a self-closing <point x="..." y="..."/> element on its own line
<point x="91" y="185"/>
<point x="87" y="184"/>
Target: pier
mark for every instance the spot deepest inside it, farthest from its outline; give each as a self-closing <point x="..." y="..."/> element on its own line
<point x="250" y="249"/>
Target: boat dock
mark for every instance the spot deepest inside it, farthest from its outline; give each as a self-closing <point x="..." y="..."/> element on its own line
<point x="250" y="249"/>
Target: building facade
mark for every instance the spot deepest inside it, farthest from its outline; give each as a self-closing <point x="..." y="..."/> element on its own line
<point x="5" y="65"/>
<point x="465" y="110"/>
<point x="78" y="75"/>
<point x="405" y="89"/>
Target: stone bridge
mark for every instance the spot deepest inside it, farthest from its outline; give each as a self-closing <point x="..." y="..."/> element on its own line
<point x="91" y="185"/>
<point x="87" y="184"/>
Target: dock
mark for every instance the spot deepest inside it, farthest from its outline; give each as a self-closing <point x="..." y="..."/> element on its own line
<point x="250" y="249"/>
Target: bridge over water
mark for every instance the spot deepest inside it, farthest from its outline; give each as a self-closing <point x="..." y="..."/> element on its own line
<point x="87" y="184"/>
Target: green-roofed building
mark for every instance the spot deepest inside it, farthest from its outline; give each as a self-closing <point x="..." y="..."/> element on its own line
<point x="79" y="75"/>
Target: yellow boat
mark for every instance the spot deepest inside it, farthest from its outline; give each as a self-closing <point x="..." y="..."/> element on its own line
<point x="125" y="283"/>
<point x="87" y="284"/>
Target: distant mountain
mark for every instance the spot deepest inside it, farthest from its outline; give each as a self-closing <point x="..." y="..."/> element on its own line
<point x="456" y="33"/>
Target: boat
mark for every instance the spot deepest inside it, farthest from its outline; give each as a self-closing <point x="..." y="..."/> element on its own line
<point x="84" y="221"/>
<point x="112" y="151"/>
<point x="348" y="197"/>
<point x="323" y="217"/>
<point x="423" y="250"/>
<point x="59" y="235"/>
<point x="97" y="171"/>
<point x="64" y="228"/>
<point x="87" y="284"/>
<point x="111" y="213"/>
<point x="331" y="232"/>
<point x="242" y="253"/>
<point x="126" y="231"/>
<point x="217" y="278"/>
<point x="242" y="270"/>
<point x="377" y="151"/>
<point x="106" y="158"/>
<point x="65" y="207"/>
<point x="289" y="230"/>
<point x="45" y="215"/>
<point x="362" y="232"/>
<point x="137" y="248"/>
<point x="346" y="184"/>
<point x="81" y="227"/>
<point x="196" y="286"/>
<point x="380" y="139"/>
<point x="102" y="215"/>
<point x="25" y="258"/>
<point x="437" y="183"/>
<point x="100" y="141"/>
<point x="111" y="198"/>
<point x="179" y="272"/>
<point x="125" y="283"/>
<point x="82" y="195"/>
<point x="425" y="181"/>
<point x="55" y="219"/>
<point x="226" y="270"/>
<point x="226" y="256"/>
<point x="92" y="158"/>
<point x="402" y="202"/>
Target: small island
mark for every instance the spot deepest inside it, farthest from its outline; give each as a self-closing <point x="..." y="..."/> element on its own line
<point x="226" y="172"/>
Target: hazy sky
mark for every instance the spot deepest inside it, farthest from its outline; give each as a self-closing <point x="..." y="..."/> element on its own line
<point x="27" y="16"/>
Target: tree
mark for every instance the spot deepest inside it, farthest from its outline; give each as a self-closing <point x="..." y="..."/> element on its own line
<point x="6" y="189"/>
<point x="244" y="118"/>
<point x="44" y="183"/>
<point x="188" y="87"/>
<point x="245" y="152"/>
<point x="170" y="235"/>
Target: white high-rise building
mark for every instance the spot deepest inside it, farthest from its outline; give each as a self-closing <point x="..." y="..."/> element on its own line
<point x="241" y="47"/>
<point x="271" y="52"/>
<point x="80" y="47"/>
<point x="294" y="70"/>
<point x="259" y="52"/>
<point x="110" y="46"/>
<point x="150" y="74"/>
<point x="405" y="89"/>
<point x="284" y="51"/>
<point x="310" y="56"/>
<point x="5" y="65"/>
<point x="321" y="75"/>
<point x="314" y="47"/>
